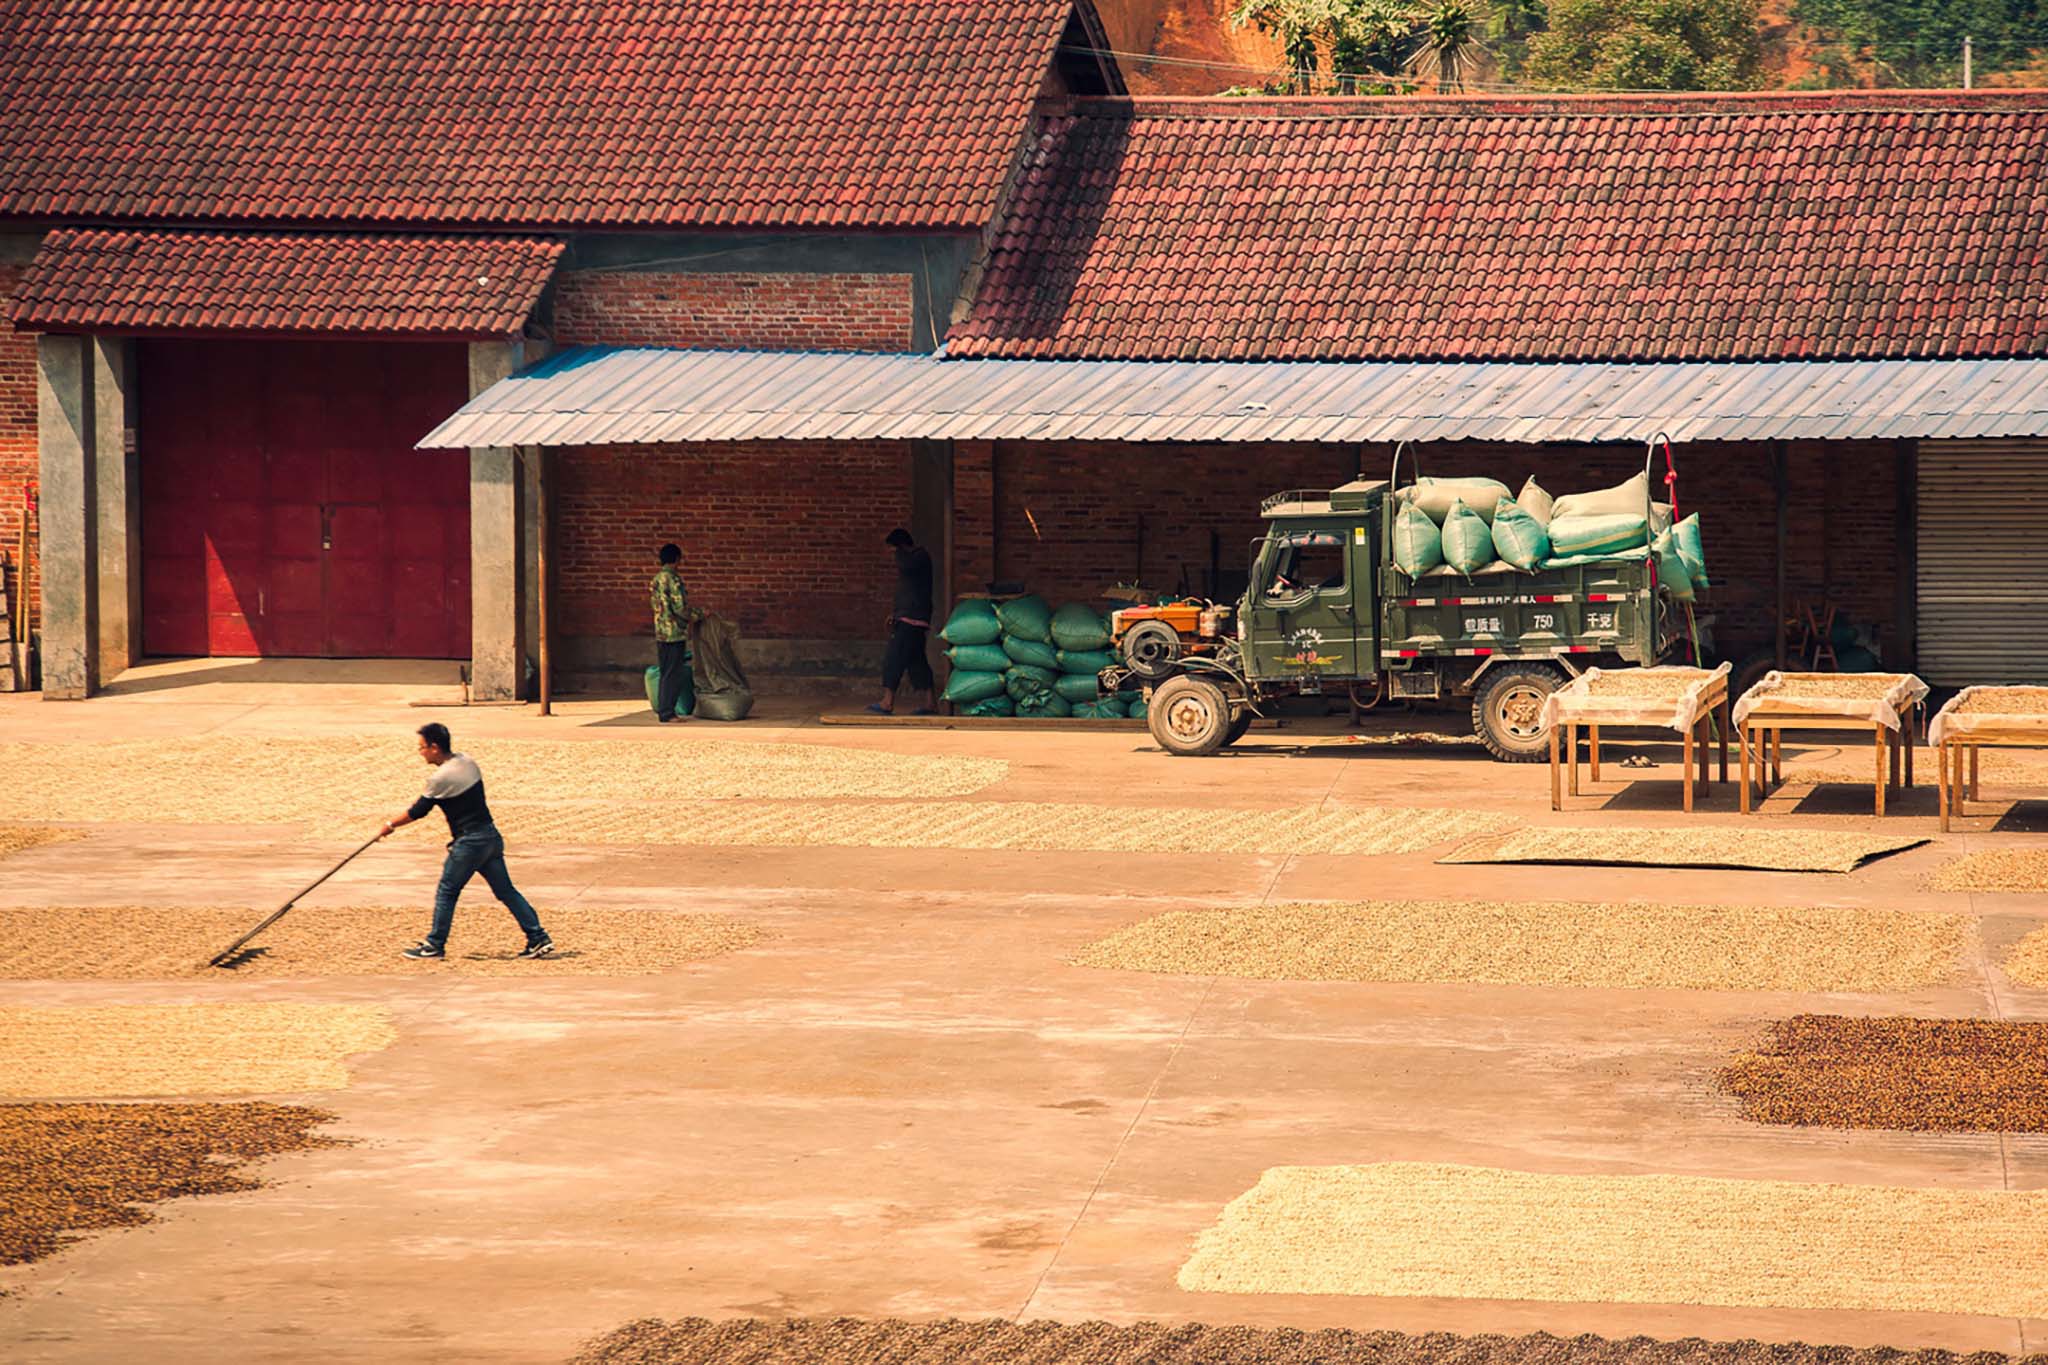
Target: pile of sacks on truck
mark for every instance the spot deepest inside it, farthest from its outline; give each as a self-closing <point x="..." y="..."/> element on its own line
<point x="1019" y="657"/>
<point x="1472" y="526"/>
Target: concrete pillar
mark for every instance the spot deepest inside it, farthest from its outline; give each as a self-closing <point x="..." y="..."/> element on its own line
<point x="496" y="614"/>
<point x="118" y="502"/>
<point x="66" y="449"/>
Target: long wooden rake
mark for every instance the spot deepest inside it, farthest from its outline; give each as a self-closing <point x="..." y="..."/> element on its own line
<point x="274" y="916"/>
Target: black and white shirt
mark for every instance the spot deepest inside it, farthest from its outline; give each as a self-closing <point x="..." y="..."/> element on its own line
<point x="457" y="787"/>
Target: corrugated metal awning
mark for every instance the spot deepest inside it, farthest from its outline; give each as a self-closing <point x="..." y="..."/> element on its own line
<point x="601" y="396"/>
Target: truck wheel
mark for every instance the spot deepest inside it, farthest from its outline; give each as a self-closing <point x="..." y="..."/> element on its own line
<point x="1239" y="724"/>
<point x="1188" y="716"/>
<point x="1507" y="711"/>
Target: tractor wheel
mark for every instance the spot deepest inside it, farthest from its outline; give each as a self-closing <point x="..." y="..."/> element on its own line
<point x="1507" y="711"/>
<point x="1152" y="650"/>
<point x="1188" y="716"/>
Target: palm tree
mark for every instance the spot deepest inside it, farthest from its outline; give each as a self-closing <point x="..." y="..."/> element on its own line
<point x="1372" y="40"/>
<point x="1450" y="44"/>
<point x="1299" y="25"/>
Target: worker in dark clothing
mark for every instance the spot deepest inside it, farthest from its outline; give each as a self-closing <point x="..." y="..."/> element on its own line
<point x="675" y="694"/>
<point x="474" y="845"/>
<point x="910" y="620"/>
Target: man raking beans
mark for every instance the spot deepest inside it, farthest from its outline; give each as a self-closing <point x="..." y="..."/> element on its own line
<point x="474" y="845"/>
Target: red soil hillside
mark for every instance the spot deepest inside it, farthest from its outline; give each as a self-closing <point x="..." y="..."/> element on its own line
<point x="1183" y="31"/>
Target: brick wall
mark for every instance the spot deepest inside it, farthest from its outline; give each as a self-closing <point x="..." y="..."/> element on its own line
<point x="780" y="311"/>
<point x="786" y="539"/>
<point x="18" y="459"/>
<point x="1092" y="503"/>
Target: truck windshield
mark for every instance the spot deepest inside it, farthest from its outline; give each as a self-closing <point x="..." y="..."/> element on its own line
<point x="1305" y="562"/>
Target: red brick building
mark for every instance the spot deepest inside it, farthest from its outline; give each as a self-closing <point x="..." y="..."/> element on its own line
<point x="278" y="301"/>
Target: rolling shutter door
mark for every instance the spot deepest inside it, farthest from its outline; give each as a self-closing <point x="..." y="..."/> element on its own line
<point x="1983" y="573"/>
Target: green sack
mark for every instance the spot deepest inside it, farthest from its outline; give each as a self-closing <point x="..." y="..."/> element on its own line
<point x="1077" y="626"/>
<point x="964" y="687"/>
<point x="1596" y="535"/>
<point x="1435" y="496"/>
<point x="1026" y="683"/>
<point x="1077" y="687"/>
<point x="1468" y="543"/>
<point x="990" y="706"/>
<point x="1105" y="708"/>
<point x="1089" y="661"/>
<point x="1671" y="571"/>
<point x="1418" y="545"/>
<point x="979" y="658"/>
<point x="686" y="698"/>
<point x="1053" y="705"/>
<point x="1027" y="618"/>
<point x="1136" y="709"/>
<point x="1033" y="652"/>
<point x="973" y="622"/>
<point x="1686" y="535"/>
<point x="1518" y="537"/>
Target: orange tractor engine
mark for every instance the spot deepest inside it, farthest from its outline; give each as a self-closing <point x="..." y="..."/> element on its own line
<point x="1152" y="641"/>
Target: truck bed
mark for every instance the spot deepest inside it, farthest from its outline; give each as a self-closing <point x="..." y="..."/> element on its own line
<point x="1600" y="608"/>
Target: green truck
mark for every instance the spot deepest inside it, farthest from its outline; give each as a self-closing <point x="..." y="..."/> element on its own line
<point x="1329" y="610"/>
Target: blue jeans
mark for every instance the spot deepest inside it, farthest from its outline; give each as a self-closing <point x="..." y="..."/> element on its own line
<point x="479" y="851"/>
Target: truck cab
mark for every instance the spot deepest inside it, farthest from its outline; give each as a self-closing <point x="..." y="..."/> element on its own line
<point x="1329" y="609"/>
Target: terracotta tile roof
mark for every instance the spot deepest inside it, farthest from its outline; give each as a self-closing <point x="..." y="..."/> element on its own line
<point x="721" y="113"/>
<point x="331" y="284"/>
<point x="1676" y="228"/>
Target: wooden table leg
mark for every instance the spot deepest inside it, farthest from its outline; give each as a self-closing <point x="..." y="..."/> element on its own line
<point x="1571" y="744"/>
<point x="1594" y="732"/>
<point x="1689" y="731"/>
<point x="1727" y="724"/>
<point x="1556" y="792"/>
<point x="1975" y="793"/>
<point x="1877" y="747"/>
<point x="1777" y="757"/>
<point x="1744" y="746"/>
<point x="1706" y="779"/>
<point x="1911" y="721"/>
<point x="1897" y="761"/>
<point x="1941" y="784"/>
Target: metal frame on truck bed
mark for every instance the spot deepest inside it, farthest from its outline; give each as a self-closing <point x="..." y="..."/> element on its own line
<point x="1329" y="608"/>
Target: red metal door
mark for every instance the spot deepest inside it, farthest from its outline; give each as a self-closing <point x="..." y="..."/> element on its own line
<point x="284" y="510"/>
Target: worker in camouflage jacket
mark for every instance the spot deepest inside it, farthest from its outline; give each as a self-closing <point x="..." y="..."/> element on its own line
<point x="675" y="694"/>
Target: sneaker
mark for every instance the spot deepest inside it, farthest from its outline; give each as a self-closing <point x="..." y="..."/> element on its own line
<point x="540" y="947"/>
<point x="424" y="950"/>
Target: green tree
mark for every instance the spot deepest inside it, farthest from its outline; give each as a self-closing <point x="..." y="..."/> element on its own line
<point x="1448" y="44"/>
<point x="1300" y="26"/>
<point x="1509" y="26"/>
<point x="1648" y="45"/>
<point x="1920" y="42"/>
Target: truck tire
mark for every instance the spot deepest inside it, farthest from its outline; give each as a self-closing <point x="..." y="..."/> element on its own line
<point x="1189" y="717"/>
<point x="1506" y="709"/>
<point x="1239" y="724"/>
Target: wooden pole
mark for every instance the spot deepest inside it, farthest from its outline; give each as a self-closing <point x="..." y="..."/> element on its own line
<point x="547" y="672"/>
<point x="1784" y="493"/>
<point x="1878" y="747"/>
<point x="1556" y="796"/>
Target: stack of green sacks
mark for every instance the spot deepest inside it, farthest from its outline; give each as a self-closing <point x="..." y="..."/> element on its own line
<point x="1022" y="658"/>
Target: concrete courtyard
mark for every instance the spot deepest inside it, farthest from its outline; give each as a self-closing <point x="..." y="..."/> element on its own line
<point x="905" y="1099"/>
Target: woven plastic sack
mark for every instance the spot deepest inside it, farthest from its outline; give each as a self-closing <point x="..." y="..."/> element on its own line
<point x="990" y="706"/>
<point x="1136" y="709"/>
<point x="1671" y="571"/>
<point x="732" y="704"/>
<point x="1418" y="545"/>
<point x="686" y="699"/>
<point x="1629" y="498"/>
<point x="1601" y="535"/>
<point x="1034" y="652"/>
<point x="1027" y="618"/>
<point x="1686" y="535"/>
<point x="1077" y="687"/>
<point x="1468" y="541"/>
<point x="1518" y="537"/>
<point x="1077" y="626"/>
<point x="1053" y="705"/>
<point x="966" y="687"/>
<point x="1089" y="661"/>
<point x="1105" y="708"/>
<point x="979" y="658"/>
<point x="1435" y="496"/>
<point x="1028" y="684"/>
<point x="973" y="622"/>
<point x="1535" y="501"/>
